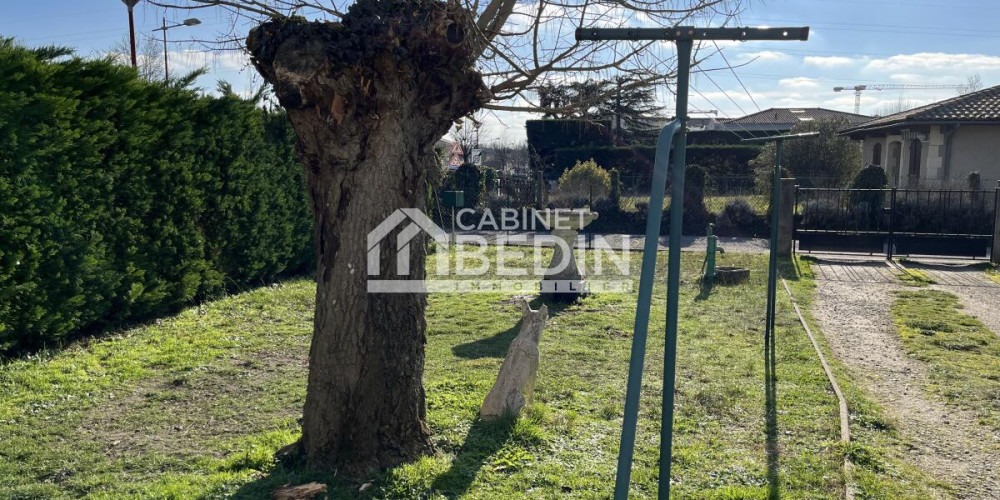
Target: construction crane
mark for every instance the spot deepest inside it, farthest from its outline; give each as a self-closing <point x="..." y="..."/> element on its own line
<point x="858" y="89"/>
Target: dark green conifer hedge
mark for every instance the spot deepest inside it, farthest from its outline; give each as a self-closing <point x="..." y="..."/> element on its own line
<point x="122" y="200"/>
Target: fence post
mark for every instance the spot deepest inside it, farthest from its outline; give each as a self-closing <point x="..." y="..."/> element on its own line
<point x="786" y="217"/>
<point x="995" y="247"/>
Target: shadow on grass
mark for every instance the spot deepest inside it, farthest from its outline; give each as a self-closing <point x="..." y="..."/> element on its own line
<point x="705" y="290"/>
<point x="496" y="346"/>
<point x="771" y="417"/>
<point x="485" y="438"/>
<point x="491" y="347"/>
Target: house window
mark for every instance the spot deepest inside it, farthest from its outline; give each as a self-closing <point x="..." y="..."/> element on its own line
<point x="877" y="154"/>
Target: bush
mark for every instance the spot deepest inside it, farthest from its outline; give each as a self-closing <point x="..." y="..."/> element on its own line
<point x="696" y="217"/>
<point x="974" y="181"/>
<point x="469" y="179"/>
<point x="616" y="189"/>
<point x="827" y="156"/>
<point x="871" y="177"/>
<point x="586" y="180"/>
<point x="123" y="200"/>
<point x="738" y="218"/>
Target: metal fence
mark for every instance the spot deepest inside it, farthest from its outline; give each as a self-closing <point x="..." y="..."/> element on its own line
<point x="896" y="221"/>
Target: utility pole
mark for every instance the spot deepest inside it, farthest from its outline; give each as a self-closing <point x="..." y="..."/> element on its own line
<point x="672" y="137"/>
<point x="187" y="22"/>
<point x="131" y="28"/>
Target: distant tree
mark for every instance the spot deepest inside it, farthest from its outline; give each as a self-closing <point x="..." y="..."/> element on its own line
<point x="628" y="103"/>
<point x="973" y="83"/>
<point x="501" y="154"/>
<point x="148" y="57"/>
<point x="466" y="134"/>
<point x="896" y="107"/>
<point x="630" y="109"/>
<point x="827" y="156"/>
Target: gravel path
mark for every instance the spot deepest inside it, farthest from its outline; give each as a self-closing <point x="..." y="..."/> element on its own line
<point x="855" y="318"/>
<point x="979" y="294"/>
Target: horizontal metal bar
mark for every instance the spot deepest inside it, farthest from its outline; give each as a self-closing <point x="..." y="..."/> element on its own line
<point x="693" y="33"/>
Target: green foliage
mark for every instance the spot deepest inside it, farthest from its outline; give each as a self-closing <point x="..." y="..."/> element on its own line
<point x="872" y="177"/>
<point x="122" y="200"/>
<point x="585" y="180"/>
<point x="470" y="179"/>
<point x="616" y="188"/>
<point x="638" y="160"/>
<point x="827" y="156"/>
<point x="696" y="216"/>
<point x="545" y="136"/>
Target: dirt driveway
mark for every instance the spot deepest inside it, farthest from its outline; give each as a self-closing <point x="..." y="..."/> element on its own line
<point x="852" y="308"/>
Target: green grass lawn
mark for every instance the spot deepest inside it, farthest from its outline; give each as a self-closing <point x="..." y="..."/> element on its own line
<point x="194" y="406"/>
<point x="963" y="356"/>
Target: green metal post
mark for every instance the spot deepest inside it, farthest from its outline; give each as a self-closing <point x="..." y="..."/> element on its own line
<point x="674" y="263"/>
<point x="712" y="246"/>
<point x="772" y="269"/>
<point x="646" y="280"/>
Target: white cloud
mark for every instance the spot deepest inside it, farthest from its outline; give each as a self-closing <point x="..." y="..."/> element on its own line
<point x="828" y="62"/>
<point x="189" y="60"/>
<point x="799" y="82"/>
<point x="938" y="62"/>
<point x="764" y="55"/>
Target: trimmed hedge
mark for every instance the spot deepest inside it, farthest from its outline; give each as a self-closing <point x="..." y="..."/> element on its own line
<point x="638" y="160"/>
<point x="122" y="200"/>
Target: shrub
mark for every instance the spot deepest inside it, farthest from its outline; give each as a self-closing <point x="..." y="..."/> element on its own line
<point x="696" y="216"/>
<point x="586" y="180"/>
<point x="738" y="218"/>
<point x="974" y="181"/>
<point x="872" y="177"/>
<point x="469" y="179"/>
<point x="123" y="200"/>
<point x="616" y="188"/>
<point x="827" y="156"/>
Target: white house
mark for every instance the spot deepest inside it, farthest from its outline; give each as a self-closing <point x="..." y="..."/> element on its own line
<point x="936" y="145"/>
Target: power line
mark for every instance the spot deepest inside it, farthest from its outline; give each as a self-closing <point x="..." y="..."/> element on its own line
<point x="725" y="115"/>
<point x="754" y="101"/>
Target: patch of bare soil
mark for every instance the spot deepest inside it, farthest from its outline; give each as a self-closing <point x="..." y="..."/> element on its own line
<point x="946" y="441"/>
<point x="195" y="412"/>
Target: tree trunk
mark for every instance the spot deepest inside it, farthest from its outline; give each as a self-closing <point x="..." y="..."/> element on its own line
<point x="368" y="98"/>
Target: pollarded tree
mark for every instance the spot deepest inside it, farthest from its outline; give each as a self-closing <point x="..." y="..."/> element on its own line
<point x="370" y="86"/>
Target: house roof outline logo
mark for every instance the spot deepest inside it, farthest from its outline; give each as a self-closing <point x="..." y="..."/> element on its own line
<point x="419" y="222"/>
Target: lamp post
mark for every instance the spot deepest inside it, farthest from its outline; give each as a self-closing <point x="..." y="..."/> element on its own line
<point x="187" y="22"/>
<point x="131" y="27"/>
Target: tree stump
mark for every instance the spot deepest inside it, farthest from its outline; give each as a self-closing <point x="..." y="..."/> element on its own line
<point x="516" y="382"/>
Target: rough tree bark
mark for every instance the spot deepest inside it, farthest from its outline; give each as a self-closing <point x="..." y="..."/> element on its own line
<point x="368" y="98"/>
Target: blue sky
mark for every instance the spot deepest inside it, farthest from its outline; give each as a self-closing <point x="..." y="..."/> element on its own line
<point x="852" y="42"/>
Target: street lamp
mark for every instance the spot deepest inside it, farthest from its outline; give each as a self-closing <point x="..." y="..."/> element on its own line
<point x="187" y="22"/>
<point x="131" y="27"/>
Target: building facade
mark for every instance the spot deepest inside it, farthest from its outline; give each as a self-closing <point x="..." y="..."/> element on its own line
<point x="937" y="145"/>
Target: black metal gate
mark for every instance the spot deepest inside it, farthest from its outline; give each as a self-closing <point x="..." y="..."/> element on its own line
<point x="895" y="221"/>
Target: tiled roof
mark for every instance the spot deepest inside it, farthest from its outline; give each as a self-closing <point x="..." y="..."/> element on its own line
<point x="980" y="106"/>
<point x="792" y="116"/>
